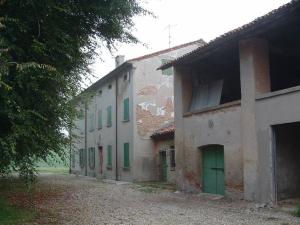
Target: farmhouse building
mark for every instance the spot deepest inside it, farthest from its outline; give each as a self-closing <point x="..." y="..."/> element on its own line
<point x="122" y="111"/>
<point x="237" y="110"/>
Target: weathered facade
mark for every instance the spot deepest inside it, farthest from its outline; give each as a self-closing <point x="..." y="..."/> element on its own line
<point x="126" y="106"/>
<point x="237" y="110"/>
<point x="164" y="149"/>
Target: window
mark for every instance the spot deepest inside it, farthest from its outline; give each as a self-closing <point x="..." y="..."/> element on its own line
<point x="100" y="93"/>
<point x="99" y="119"/>
<point x="109" y="157"/>
<point x="81" y="158"/>
<point x="80" y="114"/>
<point x="91" y="122"/>
<point x="168" y="71"/>
<point x="109" y="116"/>
<point x="92" y="158"/>
<point x="126" y="110"/>
<point x="73" y="159"/>
<point x="172" y="158"/>
<point x="109" y="86"/>
<point x="126" y="155"/>
<point x="125" y="77"/>
<point x="207" y="95"/>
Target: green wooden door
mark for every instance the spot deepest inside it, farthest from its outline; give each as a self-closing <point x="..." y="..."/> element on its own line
<point x="163" y="166"/>
<point x="213" y="170"/>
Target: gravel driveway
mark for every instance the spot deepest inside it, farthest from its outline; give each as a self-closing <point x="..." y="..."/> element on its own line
<point x="86" y="201"/>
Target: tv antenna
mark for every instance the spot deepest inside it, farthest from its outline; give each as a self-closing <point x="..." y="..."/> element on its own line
<point x="169" y="27"/>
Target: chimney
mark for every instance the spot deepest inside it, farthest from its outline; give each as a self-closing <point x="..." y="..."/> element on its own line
<point x="119" y="60"/>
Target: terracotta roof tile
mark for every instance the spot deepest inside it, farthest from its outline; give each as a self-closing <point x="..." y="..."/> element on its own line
<point x="164" y="130"/>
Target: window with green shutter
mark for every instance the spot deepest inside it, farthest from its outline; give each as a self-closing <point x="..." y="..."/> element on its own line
<point x="91" y="122"/>
<point x="168" y="71"/>
<point x="80" y="114"/>
<point x="81" y="158"/>
<point x="126" y="155"/>
<point x="126" y="109"/>
<point x="99" y="119"/>
<point x="109" y="116"/>
<point x="92" y="158"/>
<point x="109" y="157"/>
<point x="73" y="159"/>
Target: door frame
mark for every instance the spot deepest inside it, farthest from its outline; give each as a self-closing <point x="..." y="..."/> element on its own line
<point x="163" y="177"/>
<point x="205" y="148"/>
<point x="100" y="156"/>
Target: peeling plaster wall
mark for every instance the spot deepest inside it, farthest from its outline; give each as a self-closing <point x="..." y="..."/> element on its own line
<point x="164" y="145"/>
<point x="153" y="107"/>
<point x="220" y="126"/>
<point x="125" y="129"/>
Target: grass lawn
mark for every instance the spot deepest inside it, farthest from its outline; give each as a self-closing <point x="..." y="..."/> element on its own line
<point x="10" y="215"/>
<point x="59" y="170"/>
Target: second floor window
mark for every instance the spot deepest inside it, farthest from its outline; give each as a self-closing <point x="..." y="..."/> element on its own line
<point x="206" y="95"/>
<point x="91" y="122"/>
<point x="126" y="109"/>
<point x="109" y="116"/>
<point x="99" y="119"/>
<point x="168" y="71"/>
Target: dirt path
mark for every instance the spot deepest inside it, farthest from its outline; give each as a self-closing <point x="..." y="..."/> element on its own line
<point x="86" y="201"/>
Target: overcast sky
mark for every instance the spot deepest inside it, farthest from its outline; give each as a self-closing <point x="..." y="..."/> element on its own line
<point x="190" y="20"/>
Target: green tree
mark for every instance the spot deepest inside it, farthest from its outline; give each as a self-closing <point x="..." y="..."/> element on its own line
<point x="46" y="47"/>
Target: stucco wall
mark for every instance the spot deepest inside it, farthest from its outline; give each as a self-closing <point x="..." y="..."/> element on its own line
<point x="78" y="132"/>
<point x="272" y="109"/>
<point x="165" y="145"/>
<point x="153" y="107"/>
<point x="219" y="126"/>
<point x="125" y="128"/>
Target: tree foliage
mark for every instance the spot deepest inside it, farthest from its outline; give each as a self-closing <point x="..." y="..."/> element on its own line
<point x="46" y="47"/>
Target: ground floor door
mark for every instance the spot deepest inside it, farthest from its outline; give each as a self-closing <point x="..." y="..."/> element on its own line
<point x="213" y="170"/>
<point x="100" y="151"/>
<point x="163" y="166"/>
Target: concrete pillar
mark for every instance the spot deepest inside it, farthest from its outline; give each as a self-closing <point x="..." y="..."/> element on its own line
<point x="181" y="93"/>
<point x="255" y="79"/>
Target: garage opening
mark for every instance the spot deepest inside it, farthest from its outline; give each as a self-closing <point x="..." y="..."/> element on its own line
<point x="287" y="160"/>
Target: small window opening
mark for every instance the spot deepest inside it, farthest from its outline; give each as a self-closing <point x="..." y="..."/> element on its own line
<point x="125" y="77"/>
<point x="109" y="86"/>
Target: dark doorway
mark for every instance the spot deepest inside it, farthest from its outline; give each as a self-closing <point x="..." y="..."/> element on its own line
<point x="163" y="166"/>
<point x="287" y="160"/>
<point x="100" y="151"/>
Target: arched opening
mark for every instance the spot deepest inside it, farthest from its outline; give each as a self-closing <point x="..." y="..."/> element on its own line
<point x="213" y="180"/>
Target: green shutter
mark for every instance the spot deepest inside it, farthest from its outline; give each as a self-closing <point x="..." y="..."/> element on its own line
<point x="168" y="71"/>
<point x="91" y="122"/>
<point x="126" y="109"/>
<point x="109" y="117"/>
<point x="99" y="119"/>
<point x="126" y="155"/>
<point x="92" y="158"/>
<point x="109" y="156"/>
<point x="81" y="158"/>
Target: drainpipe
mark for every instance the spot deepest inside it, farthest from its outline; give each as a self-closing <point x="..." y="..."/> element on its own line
<point x="117" y="178"/>
<point x="85" y="136"/>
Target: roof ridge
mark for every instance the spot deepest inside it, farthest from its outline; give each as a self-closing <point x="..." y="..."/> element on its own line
<point x="166" y="50"/>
